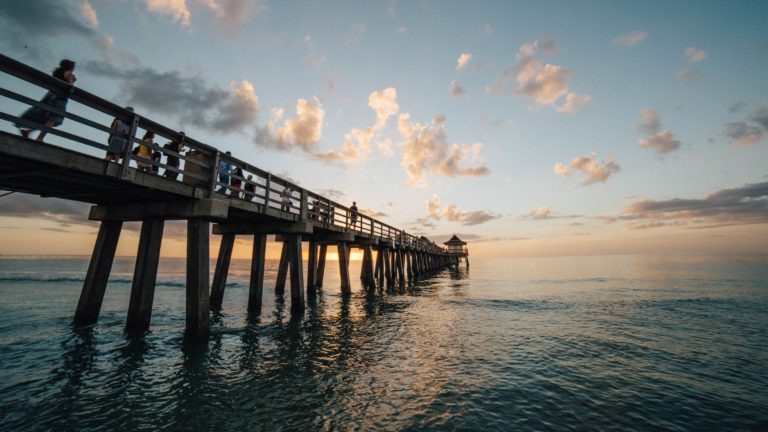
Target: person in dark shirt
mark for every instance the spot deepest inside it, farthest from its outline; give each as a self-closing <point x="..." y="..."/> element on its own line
<point x="173" y="160"/>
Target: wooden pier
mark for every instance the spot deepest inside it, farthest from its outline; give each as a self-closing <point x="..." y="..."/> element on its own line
<point x="201" y="195"/>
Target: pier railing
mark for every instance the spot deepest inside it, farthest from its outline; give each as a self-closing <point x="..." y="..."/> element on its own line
<point x="214" y="172"/>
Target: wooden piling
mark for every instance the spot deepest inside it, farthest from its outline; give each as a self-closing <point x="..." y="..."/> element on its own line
<point x="145" y="275"/>
<point x="321" y="265"/>
<point x="198" y="300"/>
<point x="387" y="265"/>
<point x="256" y="287"/>
<point x="222" y="269"/>
<point x="297" y="272"/>
<point x="92" y="294"/>
<point x="282" y="270"/>
<point x="346" y="288"/>
<point x="312" y="269"/>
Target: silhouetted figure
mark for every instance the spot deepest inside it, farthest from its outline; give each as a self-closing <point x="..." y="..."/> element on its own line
<point x="236" y="182"/>
<point x="117" y="143"/>
<point x="144" y="151"/>
<point x="173" y="160"/>
<point x="250" y="187"/>
<point x="285" y="200"/>
<point x="353" y="214"/>
<point x="224" y="169"/>
<point x="46" y="118"/>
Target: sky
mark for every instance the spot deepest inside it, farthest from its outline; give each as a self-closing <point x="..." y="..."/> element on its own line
<point x="526" y="128"/>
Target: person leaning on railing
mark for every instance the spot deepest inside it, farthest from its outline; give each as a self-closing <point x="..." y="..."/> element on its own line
<point x="48" y="119"/>
<point x="117" y="143"/>
<point x="172" y="160"/>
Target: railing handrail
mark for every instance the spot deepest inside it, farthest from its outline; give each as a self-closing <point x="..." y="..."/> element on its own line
<point x="307" y="198"/>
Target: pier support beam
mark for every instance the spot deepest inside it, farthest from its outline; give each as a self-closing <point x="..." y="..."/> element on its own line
<point x="321" y="265"/>
<point x="297" y="272"/>
<point x="399" y="262"/>
<point x="282" y="270"/>
<point x="367" y="273"/>
<point x="387" y="265"/>
<point x="312" y="269"/>
<point x="222" y="269"/>
<point x="256" y="287"/>
<point x="92" y="294"/>
<point x="346" y="288"/>
<point x="198" y="300"/>
<point x="145" y="275"/>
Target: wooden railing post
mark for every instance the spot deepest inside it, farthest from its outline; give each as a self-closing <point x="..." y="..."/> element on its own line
<point x="267" y="188"/>
<point x="214" y="173"/>
<point x="128" y="150"/>
<point x="304" y="206"/>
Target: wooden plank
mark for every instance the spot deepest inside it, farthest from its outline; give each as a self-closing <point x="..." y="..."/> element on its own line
<point x="92" y="294"/>
<point x="256" y="288"/>
<point x="222" y="270"/>
<point x="198" y="300"/>
<point x="312" y="269"/>
<point x="145" y="275"/>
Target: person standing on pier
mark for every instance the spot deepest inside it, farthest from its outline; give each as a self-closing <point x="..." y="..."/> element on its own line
<point x="224" y="169"/>
<point x="117" y="143"/>
<point x="237" y="182"/>
<point x="44" y="117"/>
<point x="172" y="160"/>
<point x="285" y="200"/>
<point x="250" y="189"/>
<point x="353" y="214"/>
<point x="144" y="151"/>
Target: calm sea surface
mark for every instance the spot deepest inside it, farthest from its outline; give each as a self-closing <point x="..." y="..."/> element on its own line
<point x="588" y="343"/>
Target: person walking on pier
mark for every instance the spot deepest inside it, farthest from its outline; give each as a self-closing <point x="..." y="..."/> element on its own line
<point x="353" y="215"/>
<point x="224" y="169"/>
<point x="48" y="119"/>
<point x="250" y="188"/>
<point x="285" y="200"/>
<point x="237" y="182"/>
<point x="116" y="142"/>
<point x="144" y="151"/>
<point x="172" y="160"/>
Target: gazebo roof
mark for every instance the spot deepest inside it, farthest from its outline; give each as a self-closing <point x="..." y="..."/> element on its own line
<point x="455" y="241"/>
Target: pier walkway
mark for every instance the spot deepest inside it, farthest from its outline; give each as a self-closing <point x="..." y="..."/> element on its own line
<point x="197" y="191"/>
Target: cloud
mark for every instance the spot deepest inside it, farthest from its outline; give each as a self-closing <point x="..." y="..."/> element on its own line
<point x="30" y="24"/>
<point x="574" y="103"/>
<point x="694" y="55"/>
<point x="303" y="131"/>
<point x="191" y="100"/>
<point x="661" y="141"/>
<point x="543" y="82"/>
<point x="738" y="206"/>
<point x="426" y="149"/>
<point x="53" y="209"/>
<point x="453" y="213"/>
<point x="373" y="213"/>
<point x="463" y="60"/>
<point x="232" y="14"/>
<point x="177" y="9"/>
<point x="356" y="147"/>
<point x="541" y="213"/>
<point x="89" y="13"/>
<point x="690" y="74"/>
<point x="384" y="104"/>
<point x="457" y="90"/>
<point x="630" y="39"/>
<point x="593" y="171"/>
<point x="753" y="129"/>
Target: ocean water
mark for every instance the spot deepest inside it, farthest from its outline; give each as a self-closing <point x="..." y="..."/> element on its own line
<point x="577" y="343"/>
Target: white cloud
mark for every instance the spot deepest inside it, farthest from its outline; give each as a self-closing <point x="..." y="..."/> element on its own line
<point x="574" y="103"/>
<point x="303" y="131"/>
<point x="541" y="213"/>
<point x="384" y="104"/>
<point x="457" y="90"/>
<point x="543" y="82"/>
<point x="630" y="39"/>
<point x="593" y="171"/>
<point x="232" y="14"/>
<point x="426" y="149"/>
<point x="356" y="147"/>
<point x="749" y="131"/>
<point x="694" y="55"/>
<point x="463" y="60"/>
<point x="661" y="141"/>
<point x="177" y="9"/>
<point x="453" y="213"/>
<point x="89" y="13"/>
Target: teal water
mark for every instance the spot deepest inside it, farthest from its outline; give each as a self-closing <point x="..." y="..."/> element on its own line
<point x="587" y="343"/>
